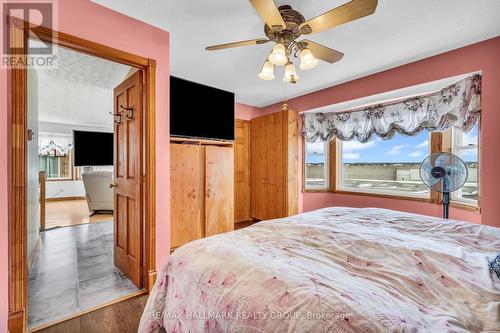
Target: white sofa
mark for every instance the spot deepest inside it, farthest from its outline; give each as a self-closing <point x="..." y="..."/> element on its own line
<point x="99" y="195"/>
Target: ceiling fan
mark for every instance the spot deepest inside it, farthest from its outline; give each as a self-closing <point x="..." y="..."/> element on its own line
<point x="284" y="25"/>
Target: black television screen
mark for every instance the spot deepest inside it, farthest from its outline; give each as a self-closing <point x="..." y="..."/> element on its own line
<point x="92" y="148"/>
<point x="200" y="111"/>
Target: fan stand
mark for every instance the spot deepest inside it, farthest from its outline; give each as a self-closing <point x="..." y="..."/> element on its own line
<point x="446" y="204"/>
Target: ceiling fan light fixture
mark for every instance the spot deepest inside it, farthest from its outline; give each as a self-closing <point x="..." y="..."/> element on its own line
<point x="307" y="60"/>
<point x="267" y="71"/>
<point x="278" y="55"/>
<point x="290" y="73"/>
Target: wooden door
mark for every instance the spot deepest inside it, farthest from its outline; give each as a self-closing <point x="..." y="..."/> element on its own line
<point x="128" y="105"/>
<point x="187" y="192"/>
<point x="219" y="190"/>
<point x="258" y="166"/>
<point x="242" y="171"/>
<point x="276" y="173"/>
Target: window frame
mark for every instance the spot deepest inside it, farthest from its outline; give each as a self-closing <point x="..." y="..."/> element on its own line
<point x="464" y="202"/>
<point x="377" y="192"/>
<point x="326" y="167"/>
<point x="438" y="142"/>
<point x="71" y="169"/>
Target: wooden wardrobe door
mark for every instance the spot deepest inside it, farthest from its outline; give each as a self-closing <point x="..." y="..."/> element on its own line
<point x="242" y="171"/>
<point x="187" y="191"/>
<point x="219" y="190"/>
<point x="276" y="173"/>
<point x="258" y="166"/>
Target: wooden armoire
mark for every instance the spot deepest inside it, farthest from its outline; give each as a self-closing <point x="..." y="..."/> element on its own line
<point x="274" y="175"/>
<point x="202" y="189"/>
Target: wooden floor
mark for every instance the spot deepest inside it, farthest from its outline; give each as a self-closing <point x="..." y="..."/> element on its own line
<point x="121" y="317"/>
<point x="244" y="224"/>
<point x="70" y="212"/>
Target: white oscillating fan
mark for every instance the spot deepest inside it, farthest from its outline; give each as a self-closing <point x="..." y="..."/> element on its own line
<point x="445" y="173"/>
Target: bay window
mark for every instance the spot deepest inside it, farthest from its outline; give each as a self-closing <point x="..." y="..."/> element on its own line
<point x="384" y="166"/>
<point x="466" y="146"/>
<point x="316" y="165"/>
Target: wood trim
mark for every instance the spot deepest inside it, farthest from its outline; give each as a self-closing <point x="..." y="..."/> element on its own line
<point x="292" y="162"/>
<point x="382" y="195"/>
<point x="465" y="206"/>
<point x="18" y="213"/>
<point x="17" y="321"/>
<point x="64" y="199"/>
<point x="150" y="176"/>
<point x="83" y="45"/>
<point x="333" y="168"/>
<point x="436" y="147"/>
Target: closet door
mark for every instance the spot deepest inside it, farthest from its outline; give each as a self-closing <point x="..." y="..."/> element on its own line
<point x="258" y="167"/>
<point x="187" y="192"/>
<point x="242" y="171"/>
<point x="276" y="172"/>
<point x="219" y="190"/>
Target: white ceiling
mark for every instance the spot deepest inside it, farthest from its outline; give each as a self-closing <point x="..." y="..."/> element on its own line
<point x="400" y="31"/>
<point x="79" y="91"/>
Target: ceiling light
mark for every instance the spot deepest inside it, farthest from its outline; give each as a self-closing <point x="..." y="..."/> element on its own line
<point x="307" y="60"/>
<point x="267" y="71"/>
<point x="290" y="73"/>
<point x="278" y="55"/>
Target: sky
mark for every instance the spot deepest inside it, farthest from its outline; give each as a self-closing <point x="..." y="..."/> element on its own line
<point x="397" y="149"/>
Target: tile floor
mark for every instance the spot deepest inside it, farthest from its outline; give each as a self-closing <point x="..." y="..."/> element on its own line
<point x="73" y="272"/>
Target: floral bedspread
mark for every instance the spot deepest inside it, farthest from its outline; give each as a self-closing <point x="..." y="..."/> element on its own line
<point x="333" y="270"/>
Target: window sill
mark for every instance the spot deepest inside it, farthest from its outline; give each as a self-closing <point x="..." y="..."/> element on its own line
<point x="466" y="206"/>
<point x="384" y="195"/>
<point x="315" y="190"/>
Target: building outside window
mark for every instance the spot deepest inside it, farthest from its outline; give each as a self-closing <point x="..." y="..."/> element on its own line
<point x="466" y="146"/>
<point x="384" y="166"/>
<point x="316" y="165"/>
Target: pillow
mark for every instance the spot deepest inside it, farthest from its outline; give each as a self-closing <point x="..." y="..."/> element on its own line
<point x="495" y="265"/>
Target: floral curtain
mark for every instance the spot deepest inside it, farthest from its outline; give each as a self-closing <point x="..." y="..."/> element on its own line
<point x="54" y="145"/>
<point x="457" y="105"/>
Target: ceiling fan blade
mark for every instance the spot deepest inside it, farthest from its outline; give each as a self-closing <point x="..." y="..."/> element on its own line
<point x="257" y="41"/>
<point x="348" y="12"/>
<point x="322" y="52"/>
<point x="269" y="12"/>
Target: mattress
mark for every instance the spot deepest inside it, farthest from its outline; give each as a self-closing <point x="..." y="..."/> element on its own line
<point x="332" y="270"/>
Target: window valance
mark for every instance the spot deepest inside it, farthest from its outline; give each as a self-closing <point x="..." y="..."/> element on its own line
<point x="58" y="145"/>
<point x="457" y="105"/>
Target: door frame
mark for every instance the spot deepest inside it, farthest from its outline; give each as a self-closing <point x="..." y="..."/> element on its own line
<point x="17" y="145"/>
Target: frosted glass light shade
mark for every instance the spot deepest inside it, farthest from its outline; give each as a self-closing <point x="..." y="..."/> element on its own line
<point x="290" y="74"/>
<point x="278" y="55"/>
<point x="267" y="71"/>
<point x="307" y="60"/>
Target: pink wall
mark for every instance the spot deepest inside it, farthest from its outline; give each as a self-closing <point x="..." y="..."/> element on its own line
<point x="85" y="19"/>
<point x="481" y="56"/>
<point x="245" y="111"/>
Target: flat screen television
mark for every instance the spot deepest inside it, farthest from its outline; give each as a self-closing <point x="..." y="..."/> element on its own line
<point x="199" y="111"/>
<point x="92" y="148"/>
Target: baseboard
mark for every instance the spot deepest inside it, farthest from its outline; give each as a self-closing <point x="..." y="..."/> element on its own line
<point x="65" y="199"/>
<point x="34" y="253"/>
<point x="16" y="322"/>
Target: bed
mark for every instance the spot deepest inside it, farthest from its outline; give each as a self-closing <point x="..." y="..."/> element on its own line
<point x="332" y="270"/>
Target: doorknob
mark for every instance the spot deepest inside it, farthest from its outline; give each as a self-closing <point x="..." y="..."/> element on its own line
<point x="112" y="185"/>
